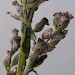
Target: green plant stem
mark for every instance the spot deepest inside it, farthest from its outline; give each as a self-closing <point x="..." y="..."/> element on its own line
<point x="21" y="62"/>
<point x="22" y="54"/>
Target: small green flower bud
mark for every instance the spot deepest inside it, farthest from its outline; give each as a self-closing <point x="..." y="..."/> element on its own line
<point x="39" y="26"/>
<point x="40" y="60"/>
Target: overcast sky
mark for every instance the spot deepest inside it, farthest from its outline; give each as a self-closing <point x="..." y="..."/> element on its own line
<point x="61" y="61"/>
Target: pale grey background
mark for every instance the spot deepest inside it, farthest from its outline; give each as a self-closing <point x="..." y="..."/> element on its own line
<point x="61" y="61"/>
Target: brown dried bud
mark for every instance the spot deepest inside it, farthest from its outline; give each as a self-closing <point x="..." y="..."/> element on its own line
<point x="18" y="7"/>
<point x="59" y="36"/>
<point x="16" y="17"/>
<point x="15" y="31"/>
<point x="47" y="33"/>
<point x="39" y="46"/>
<point x="15" y="41"/>
<point x="61" y="20"/>
<point x="14" y="2"/>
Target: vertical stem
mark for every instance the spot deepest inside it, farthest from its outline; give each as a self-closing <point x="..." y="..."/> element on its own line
<point x="21" y="62"/>
<point x="22" y="54"/>
<point x="25" y="38"/>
